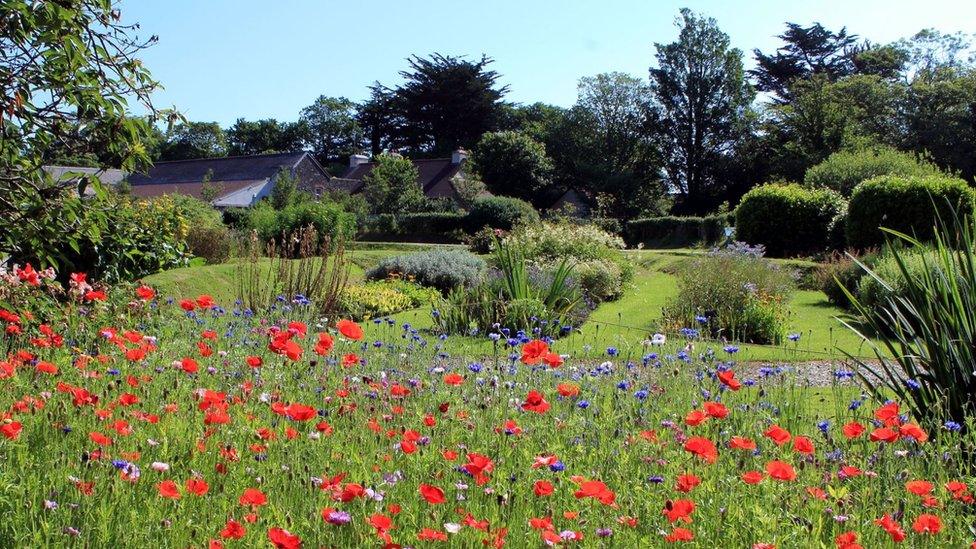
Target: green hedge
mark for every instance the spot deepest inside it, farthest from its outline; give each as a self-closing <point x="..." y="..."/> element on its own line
<point x="499" y="212"/>
<point x="430" y="223"/>
<point x="789" y="220"/>
<point x="905" y="204"/>
<point x="844" y="170"/>
<point x="676" y="232"/>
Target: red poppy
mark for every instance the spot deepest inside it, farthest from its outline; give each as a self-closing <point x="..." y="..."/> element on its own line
<point x="233" y="530"/>
<point x="189" y="365"/>
<point x="803" y="445"/>
<point x="535" y="402"/>
<point x="780" y="470"/>
<point x="680" y="534"/>
<point x="679" y="509"/>
<point x="350" y="330"/>
<point x="300" y="412"/>
<point x="919" y="487"/>
<point x="428" y="534"/>
<point x="283" y="539"/>
<point x="853" y="430"/>
<point x="381" y="523"/>
<point x="927" y="524"/>
<point x="534" y="351"/>
<point x="716" y="410"/>
<point x="350" y="360"/>
<point x="727" y="377"/>
<point x="204" y="301"/>
<point x="324" y="345"/>
<point x="910" y="430"/>
<point x="254" y="361"/>
<point x="888" y="414"/>
<point x="553" y="360"/>
<point x="893" y="528"/>
<point x="752" y="477"/>
<point x="453" y="379"/>
<point x="687" y="483"/>
<point x="11" y="430"/>
<point x="568" y="390"/>
<point x="703" y="448"/>
<point x="253" y="497"/>
<point x="168" y="489"/>
<point x="99" y="439"/>
<point x="695" y="418"/>
<point x="145" y="293"/>
<point x="742" y="443"/>
<point x="884" y="434"/>
<point x="197" y="486"/>
<point x="848" y="471"/>
<point x="597" y="490"/>
<point x="847" y="540"/>
<point x="46" y="367"/>
<point x="778" y="435"/>
<point x="543" y="488"/>
<point x="432" y="494"/>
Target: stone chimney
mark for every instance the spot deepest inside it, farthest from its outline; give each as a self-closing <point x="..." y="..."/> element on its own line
<point x="357" y="159"/>
<point x="458" y="155"/>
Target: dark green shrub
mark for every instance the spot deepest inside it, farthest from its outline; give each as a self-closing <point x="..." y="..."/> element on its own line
<point x="236" y="218"/>
<point x="839" y="273"/>
<point x="676" y="232"/>
<point x="327" y="218"/>
<point x="212" y="243"/>
<point x="431" y="223"/>
<point x="844" y="170"/>
<point x="787" y="219"/>
<point x="904" y="204"/>
<point x="499" y="212"/>
<point x="441" y="269"/>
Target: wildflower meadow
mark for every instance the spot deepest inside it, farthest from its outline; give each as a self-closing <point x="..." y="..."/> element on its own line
<point x="135" y="419"/>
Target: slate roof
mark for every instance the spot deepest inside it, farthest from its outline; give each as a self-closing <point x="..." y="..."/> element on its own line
<point x="194" y="189"/>
<point x="108" y="176"/>
<point x="225" y="169"/>
<point x="435" y="175"/>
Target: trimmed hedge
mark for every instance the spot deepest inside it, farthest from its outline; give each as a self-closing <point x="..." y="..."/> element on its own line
<point x="499" y="212"/>
<point x="430" y="223"/>
<point x="676" y="232"/>
<point x="905" y="204"/>
<point x="787" y="219"/>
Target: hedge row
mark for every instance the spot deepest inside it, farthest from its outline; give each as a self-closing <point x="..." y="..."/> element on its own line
<point x="676" y="232"/>
<point x="789" y="220"/>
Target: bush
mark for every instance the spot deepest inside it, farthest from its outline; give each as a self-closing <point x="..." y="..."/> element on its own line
<point x="500" y="212"/>
<point x="431" y="223"/>
<point x="844" y="170"/>
<point x="212" y="243"/>
<point x="905" y="204"/>
<point x="327" y="218"/>
<point x="872" y="293"/>
<point x="441" y="269"/>
<point x="595" y="254"/>
<point x="384" y="297"/>
<point x="483" y="240"/>
<point x="926" y="362"/>
<point x="734" y="294"/>
<point x="677" y="232"/>
<point x="787" y="219"/>
<point x="841" y="272"/>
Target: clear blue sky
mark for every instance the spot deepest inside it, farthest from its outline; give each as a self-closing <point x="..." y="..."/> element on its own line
<point x="224" y="59"/>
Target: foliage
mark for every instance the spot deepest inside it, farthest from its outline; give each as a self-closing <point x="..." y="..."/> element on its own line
<point x="905" y="204"/>
<point x="248" y="137"/>
<point x="441" y="269"/>
<point x="500" y="212"/>
<point x="385" y="297"/>
<point x="70" y="74"/>
<point x="841" y="275"/>
<point x="433" y="223"/>
<point x="594" y="254"/>
<point x="307" y="267"/>
<point x="444" y="103"/>
<point x="392" y="186"/>
<point x="140" y="238"/>
<point x="699" y="90"/>
<point x="191" y="140"/>
<point x="844" y="170"/>
<point x="215" y="244"/>
<point x="677" y="231"/>
<point x="732" y="293"/>
<point x="787" y="219"/>
<point x="929" y="312"/>
<point x="327" y="218"/>
<point x="332" y="129"/>
<point x="285" y="189"/>
<point x="512" y="164"/>
<point x="518" y="296"/>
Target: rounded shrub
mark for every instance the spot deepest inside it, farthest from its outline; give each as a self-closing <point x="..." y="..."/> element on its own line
<point x="906" y="204"/>
<point x="500" y="212"/>
<point x="787" y="219"/>
<point x="441" y="269"/>
<point x="844" y="170"/>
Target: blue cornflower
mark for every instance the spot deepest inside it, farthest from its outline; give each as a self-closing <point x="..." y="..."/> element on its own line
<point x="824" y="426"/>
<point x="584" y="404"/>
<point x="793" y="337"/>
<point x="952" y="426"/>
<point x="641" y="395"/>
<point x="912" y="384"/>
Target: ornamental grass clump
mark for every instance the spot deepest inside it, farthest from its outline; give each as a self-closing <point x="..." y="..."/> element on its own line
<point x="927" y="310"/>
<point x="733" y="293"/>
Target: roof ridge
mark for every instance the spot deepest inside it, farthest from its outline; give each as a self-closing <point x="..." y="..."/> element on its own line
<point x="214" y="158"/>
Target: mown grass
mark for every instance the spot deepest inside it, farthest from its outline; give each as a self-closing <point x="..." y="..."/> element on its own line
<point x="624" y="324"/>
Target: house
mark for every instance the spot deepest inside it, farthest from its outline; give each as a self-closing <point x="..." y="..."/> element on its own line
<point x="238" y="181"/>
<point x="109" y="177"/>
<point x="571" y="202"/>
<point x="436" y="175"/>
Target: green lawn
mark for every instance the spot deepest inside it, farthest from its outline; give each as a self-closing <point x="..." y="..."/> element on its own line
<point x="624" y="324"/>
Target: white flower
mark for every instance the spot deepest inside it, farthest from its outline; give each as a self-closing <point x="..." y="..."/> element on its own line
<point x="159" y="466"/>
<point x="452" y="527"/>
<point x="658" y="339"/>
